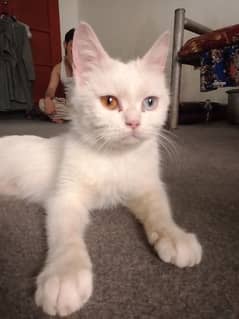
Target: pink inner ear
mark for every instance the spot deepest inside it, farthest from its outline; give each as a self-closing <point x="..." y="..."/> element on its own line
<point x="87" y="51"/>
<point x="158" y="53"/>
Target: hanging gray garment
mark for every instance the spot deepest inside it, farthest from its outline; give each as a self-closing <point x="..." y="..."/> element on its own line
<point x="7" y="63"/>
<point x="16" y="67"/>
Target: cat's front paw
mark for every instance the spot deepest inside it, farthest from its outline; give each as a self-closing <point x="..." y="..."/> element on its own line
<point x="62" y="292"/>
<point x="179" y="248"/>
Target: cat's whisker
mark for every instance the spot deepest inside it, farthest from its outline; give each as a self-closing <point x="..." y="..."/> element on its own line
<point x="164" y="147"/>
<point x="102" y="145"/>
<point x="99" y="141"/>
<point x="165" y="143"/>
<point x="170" y="133"/>
<point x="103" y="141"/>
<point x="169" y="149"/>
<point x="169" y="142"/>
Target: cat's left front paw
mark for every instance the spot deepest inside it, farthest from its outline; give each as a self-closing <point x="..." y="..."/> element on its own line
<point x="177" y="247"/>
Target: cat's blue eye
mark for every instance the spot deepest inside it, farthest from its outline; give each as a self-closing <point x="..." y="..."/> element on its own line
<point x="150" y="103"/>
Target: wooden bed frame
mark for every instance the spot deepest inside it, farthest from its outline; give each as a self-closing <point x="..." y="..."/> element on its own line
<point x="181" y="23"/>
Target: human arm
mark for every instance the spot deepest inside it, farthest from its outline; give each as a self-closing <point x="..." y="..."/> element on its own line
<point x="51" y="90"/>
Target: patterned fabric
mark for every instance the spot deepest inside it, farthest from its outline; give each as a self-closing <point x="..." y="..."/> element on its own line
<point x="211" y="40"/>
<point x="63" y="110"/>
<point x="219" y="68"/>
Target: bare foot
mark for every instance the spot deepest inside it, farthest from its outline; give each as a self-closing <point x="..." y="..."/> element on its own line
<point x="58" y="121"/>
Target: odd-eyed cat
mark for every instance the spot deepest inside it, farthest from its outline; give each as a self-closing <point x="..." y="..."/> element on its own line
<point x="108" y="157"/>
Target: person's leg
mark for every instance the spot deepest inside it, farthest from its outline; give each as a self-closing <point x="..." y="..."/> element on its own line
<point x="57" y="121"/>
<point x="58" y="116"/>
<point x="63" y="109"/>
<point x="42" y="108"/>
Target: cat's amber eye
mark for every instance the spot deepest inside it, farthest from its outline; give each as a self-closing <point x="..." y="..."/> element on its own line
<point x="109" y="101"/>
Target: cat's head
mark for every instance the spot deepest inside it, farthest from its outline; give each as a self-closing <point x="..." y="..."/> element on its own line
<point x="118" y="103"/>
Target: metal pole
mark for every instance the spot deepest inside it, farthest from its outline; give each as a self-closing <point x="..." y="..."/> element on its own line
<point x="179" y="17"/>
<point x="195" y="27"/>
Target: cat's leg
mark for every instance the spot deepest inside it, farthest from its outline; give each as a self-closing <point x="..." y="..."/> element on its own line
<point x="66" y="281"/>
<point x="172" y="244"/>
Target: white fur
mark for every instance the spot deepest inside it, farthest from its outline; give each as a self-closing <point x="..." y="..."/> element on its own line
<point x="100" y="162"/>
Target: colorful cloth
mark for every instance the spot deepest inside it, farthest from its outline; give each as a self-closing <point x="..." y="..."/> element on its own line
<point x="219" y="68"/>
<point x="216" y="39"/>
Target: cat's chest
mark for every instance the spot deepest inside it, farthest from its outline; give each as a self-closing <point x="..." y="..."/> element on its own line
<point x="110" y="179"/>
<point x="113" y="182"/>
<point x="112" y="174"/>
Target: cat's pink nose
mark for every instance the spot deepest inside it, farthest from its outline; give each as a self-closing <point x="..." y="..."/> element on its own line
<point x="133" y="123"/>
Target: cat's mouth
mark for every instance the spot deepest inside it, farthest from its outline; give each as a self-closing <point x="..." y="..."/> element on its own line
<point x="137" y="134"/>
<point x="133" y="136"/>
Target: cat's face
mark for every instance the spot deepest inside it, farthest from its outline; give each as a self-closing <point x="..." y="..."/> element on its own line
<point x="117" y="103"/>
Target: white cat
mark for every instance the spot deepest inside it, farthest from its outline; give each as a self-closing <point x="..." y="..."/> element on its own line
<point x="110" y="156"/>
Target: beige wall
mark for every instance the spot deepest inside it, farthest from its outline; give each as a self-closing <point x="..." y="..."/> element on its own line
<point x="69" y="16"/>
<point x="127" y="28"/>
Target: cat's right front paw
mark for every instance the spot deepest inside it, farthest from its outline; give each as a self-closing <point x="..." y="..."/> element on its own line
<point x="62" y="293"/>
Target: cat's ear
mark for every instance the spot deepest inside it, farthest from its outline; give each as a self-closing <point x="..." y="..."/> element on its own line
<point x="87" y="51"/>
<point x="157" y="55"/>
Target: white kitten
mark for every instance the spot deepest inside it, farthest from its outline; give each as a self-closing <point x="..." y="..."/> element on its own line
<point x="109" y="156"/>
